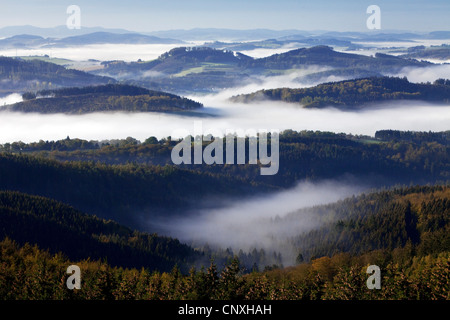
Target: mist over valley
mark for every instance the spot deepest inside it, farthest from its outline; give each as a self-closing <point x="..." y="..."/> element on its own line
<point x="89" y="120"/>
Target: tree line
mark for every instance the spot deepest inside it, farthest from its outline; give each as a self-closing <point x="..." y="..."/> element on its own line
<point x="113" y="178"/>
<point x="29" y="273"/>
<point x="110" y="97"/>
<point x="354" y="93"/>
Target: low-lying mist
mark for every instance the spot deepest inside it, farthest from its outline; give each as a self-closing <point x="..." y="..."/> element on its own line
<point x="10" y="99"/>
<point x="258" y="222"/>
<point x="406" y="115"/>
<point x="125" y="52"/>
<point x="428" y="74"/>
<point x="266" y="52"/>
<point x="102" y="52"/>
<point x="220" y="114"/>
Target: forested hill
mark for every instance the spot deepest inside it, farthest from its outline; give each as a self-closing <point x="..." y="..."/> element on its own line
<point x="351" y="93"/>
<point x="204" y="69"/>
<point x="417" y="217"/>
<point x="177" y="60"/>
<point x="441" y="52"/>
<point x="405" y="232"/>
<point x="183" y="58"/>
<point x="326" y="56"/>
<point x="118" y="178"/>
<point x="119" y="191"/>
<point x="58" y="227"/>
<point x="21" y="75"/>
<point x="110" y="97"/>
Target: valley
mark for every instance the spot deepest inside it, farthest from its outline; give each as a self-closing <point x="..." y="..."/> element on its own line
<point x="90" y="122"/>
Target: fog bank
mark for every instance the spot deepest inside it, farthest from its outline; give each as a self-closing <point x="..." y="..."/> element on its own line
<point x="258" y="222"/>
<point x="407" y="116"/>
<point x="428" y="74"/>
<point x="102" y="52"/>
<point x="10" y="99"/>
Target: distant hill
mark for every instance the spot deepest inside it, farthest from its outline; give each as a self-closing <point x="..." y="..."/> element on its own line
<point x="111" y="97"/>
<point x="225" y="34"/>
<point x="326" y="56"/>
<point x="206" y="69"/>
<point x="54" y="32"/>
<point x="444" y="35"/>
<point x="24" y="75"/>
<point x="184" y="69"/>
<point x="351" y="93"/>
<point x="290" y="41"/>
<point x="113" y="38"/>
<point x="22" y="41"/>
<point x="260" y="34"/>
<point x="100" y="37"/>
<point x="434" y="52"/>
<point x="201" y="55"/>
<point x="185" y="58"/>
<point x="181" y="59"/>
<point x="336" y="74"/>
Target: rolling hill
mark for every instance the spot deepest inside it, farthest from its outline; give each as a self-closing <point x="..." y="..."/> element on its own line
<point x="112" y="38"/>
<point x="100" y="37"/>
<point x="326" y="56"/>
<point x="180" y="59"/>
<point x="119" y="192"/>
<point x="114" y="180"/>
<point x="403" y="231"/>
<point x="18" y="75"/>
<point x="350" y="94"/>
<point x="57" y="227"/>
<point x="434" y="52"/>
<point x="205" y="69"/>
<point x="104" y="98"/>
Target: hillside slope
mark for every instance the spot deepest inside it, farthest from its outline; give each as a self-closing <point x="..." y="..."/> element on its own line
<point x="111" y="97"/>
<point x="58" y="227"/>
<point x="204" y="69"/>
<point x="25" y="75"/>
<point x="352" y="93"/>
<point x="411" y="247"/>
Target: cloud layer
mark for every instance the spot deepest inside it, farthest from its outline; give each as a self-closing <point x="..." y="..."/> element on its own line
<point x="413" y="116"/>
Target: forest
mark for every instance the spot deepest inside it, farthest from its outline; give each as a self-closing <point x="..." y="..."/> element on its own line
<point x="355" y="94"/>
<point x="21" y="75"/>
<point x="327" y="56"/>
<point x="113" y="178"/>
<point x="102" y="98"/>
<point x="205" y="69"/>
<point x="182" y="58"/>
<point x="405" y="234"/>
<point x="95" y="196"/>
<point x="104" y="184"/>
<point x="441" y="52"/>
<point x="45" y="222"/>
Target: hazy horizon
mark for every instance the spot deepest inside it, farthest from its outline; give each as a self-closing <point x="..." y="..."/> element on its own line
<point x="156" y="15"/>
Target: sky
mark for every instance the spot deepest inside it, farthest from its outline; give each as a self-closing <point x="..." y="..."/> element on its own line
<point x="155" y="15"/>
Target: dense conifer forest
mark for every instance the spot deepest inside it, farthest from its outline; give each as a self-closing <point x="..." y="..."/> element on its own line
<point x="405" y="234"/>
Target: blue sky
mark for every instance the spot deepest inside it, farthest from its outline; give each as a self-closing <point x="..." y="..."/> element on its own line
<point x="153" y="15"/>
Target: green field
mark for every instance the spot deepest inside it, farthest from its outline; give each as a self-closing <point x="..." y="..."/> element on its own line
<point x="205" y="67"/>
<point x="59" y="61"/>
